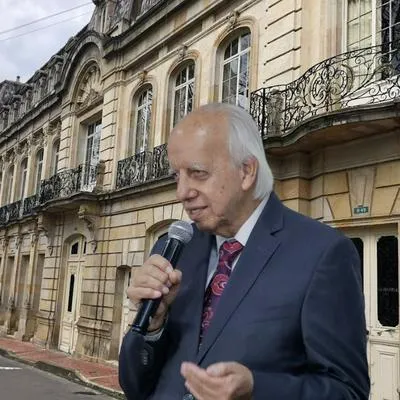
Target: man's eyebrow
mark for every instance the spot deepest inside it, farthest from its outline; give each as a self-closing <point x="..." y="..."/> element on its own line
<point x="198" y="167"/>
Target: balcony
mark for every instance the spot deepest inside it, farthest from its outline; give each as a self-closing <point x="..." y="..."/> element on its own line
<point x="85" y="178"/>
<point x="10" y="212"/>
<point x="360" y="79"/>
<point x="143" y="167"/>
<point x="29" y="205"/>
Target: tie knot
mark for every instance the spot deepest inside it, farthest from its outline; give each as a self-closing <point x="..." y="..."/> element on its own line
<point x="229" y="250"/>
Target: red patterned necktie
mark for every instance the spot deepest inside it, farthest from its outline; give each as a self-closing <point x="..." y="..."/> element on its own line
<point x="227" y="254"/>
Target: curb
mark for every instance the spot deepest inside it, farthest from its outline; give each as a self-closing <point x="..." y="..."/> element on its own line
<point x="66" y="373"/>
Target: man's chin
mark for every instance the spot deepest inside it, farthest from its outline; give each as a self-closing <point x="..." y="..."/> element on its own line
<point x="203" y="226"/>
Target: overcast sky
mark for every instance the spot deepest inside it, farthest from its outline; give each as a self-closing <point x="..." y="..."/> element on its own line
<point x="25" y="54"/>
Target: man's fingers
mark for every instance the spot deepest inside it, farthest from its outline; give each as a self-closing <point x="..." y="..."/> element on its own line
<point x="162" y="263"/>
<point x="136" y="294"/>
<point x="175" y="276"/>
<point x="149" y="281"/>
<point x="222" y="369"/>
<point x="198" y="382"/>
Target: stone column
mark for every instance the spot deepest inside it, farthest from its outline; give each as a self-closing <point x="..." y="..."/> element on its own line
<point x="26" y="325"/>
<point x="3" y="301"/>
<point x="12" y="312"/>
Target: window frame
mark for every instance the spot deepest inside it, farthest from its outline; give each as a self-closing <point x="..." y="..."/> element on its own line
<point x="147" y="90"/>
<point x="38" y="169"/>
<point x="237" y="56"/>
<point x="185" y="85"/>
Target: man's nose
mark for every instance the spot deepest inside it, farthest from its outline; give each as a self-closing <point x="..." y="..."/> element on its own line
<point x="185" y="191"/>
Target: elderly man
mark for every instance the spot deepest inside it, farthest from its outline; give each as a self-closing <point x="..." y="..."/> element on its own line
<point x="265" y="304"/>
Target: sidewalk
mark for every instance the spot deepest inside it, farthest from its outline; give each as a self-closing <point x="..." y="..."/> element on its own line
<point x="98" y="376"/>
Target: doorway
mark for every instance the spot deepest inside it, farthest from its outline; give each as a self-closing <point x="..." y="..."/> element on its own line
<point x="72" y="295"/>
<point x="379" y="253"/>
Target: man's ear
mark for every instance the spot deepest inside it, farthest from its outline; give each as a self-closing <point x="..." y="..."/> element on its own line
<point x="248" y="173"/>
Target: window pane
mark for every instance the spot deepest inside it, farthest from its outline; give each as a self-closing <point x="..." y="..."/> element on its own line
<point x="184" y="93"/>
<point x="245" y="41"/>
<point x="353" y="9"/>
<point x="191" y="71"/>
<point x="75" y="248"/>
<point x="71" y="292"/>
<point x="395" y="12"/>
<point x="388" y="285"/>
<point x="365" y="6"/>
<point x="365" y="26"/>
<point x="190" y="98"/>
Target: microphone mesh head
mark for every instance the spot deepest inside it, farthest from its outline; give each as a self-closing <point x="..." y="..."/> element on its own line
<point x="181" y="230"/>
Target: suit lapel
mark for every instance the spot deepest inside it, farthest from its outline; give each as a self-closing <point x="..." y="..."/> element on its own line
<point x="254" y="258"/>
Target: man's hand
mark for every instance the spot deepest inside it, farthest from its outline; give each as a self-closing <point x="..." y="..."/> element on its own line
<point x="155" y="278"/>
<point x="222" y="381"/>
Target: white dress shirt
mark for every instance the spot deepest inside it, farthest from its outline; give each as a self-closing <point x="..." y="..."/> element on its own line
<point x="242" y="236"/>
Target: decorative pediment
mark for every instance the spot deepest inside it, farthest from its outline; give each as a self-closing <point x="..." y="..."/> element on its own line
<point x="38" y="138"/>
<point x="10" y="156"/>
<point x="23" y="147"/>
<point x="89" y="90"/>
<point x="147" y="4"/>
<point x="121" y="11"/>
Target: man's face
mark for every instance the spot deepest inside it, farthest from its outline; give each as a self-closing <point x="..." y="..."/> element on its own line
<point x="208" y="184"/>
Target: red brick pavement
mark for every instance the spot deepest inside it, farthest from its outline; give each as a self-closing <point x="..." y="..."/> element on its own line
<point x="101" y="375"/>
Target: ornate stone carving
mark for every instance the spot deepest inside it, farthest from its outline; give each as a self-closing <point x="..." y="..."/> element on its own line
<point x="34" y="236"/>
<point x="23" y="148"/>
<point x="90" y="87"/>
<point x="142" y="76"/>
<point x="90" y="215"/>
<point x="121" y="10"/>
<point x="182" y="51"/>
<point x="233" y="18"/>
<point x="147" y="4"/>
<point x="46" y="226"/>
<point x="18" y="241"/>
<point x="10" y="156"/>
<point x="10" y="304"/>
<point x="4" y="243"/>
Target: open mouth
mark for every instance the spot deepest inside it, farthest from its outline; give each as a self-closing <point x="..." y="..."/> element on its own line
<point x="195" y="212"/>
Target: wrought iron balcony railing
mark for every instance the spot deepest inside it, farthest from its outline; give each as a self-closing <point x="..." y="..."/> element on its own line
<point x="143" y="167"/>
<point x="29" y="204"/>
<point x="359" y="77"/>
<point x="10" y="212"/>
<point x="66" y="183"/>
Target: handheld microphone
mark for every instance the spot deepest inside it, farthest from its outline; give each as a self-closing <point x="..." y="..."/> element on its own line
<point x="179" y="234"/>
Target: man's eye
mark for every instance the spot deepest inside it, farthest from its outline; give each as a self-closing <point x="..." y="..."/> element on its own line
<point x="200" y="174"/>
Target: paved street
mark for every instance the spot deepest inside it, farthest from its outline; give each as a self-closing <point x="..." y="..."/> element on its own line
<point x="19" y="382"/>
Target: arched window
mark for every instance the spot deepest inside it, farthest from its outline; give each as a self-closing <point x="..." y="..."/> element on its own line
<point x="55" y="156"/>
<point x="38" y="169"/>
<point x="10" y="183"/>
<point x="23" y="178"/>
<point x="143" y="120"/>
<point x="183" y="92"/>
<point x="235" y="75"/>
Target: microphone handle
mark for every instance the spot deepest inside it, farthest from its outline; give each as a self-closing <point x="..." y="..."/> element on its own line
<point x="172" y="251"/>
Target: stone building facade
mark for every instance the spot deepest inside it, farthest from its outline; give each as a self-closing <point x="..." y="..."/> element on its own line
<point x="85" y="186"/>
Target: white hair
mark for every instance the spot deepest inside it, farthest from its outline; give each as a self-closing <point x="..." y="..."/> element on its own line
<point x="245" y="142"/>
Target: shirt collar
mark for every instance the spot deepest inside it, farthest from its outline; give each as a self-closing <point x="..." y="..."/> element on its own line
<point x="244" y="232"/>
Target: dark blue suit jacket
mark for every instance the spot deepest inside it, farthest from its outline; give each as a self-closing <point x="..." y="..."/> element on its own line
<point x="292" y="312"/>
